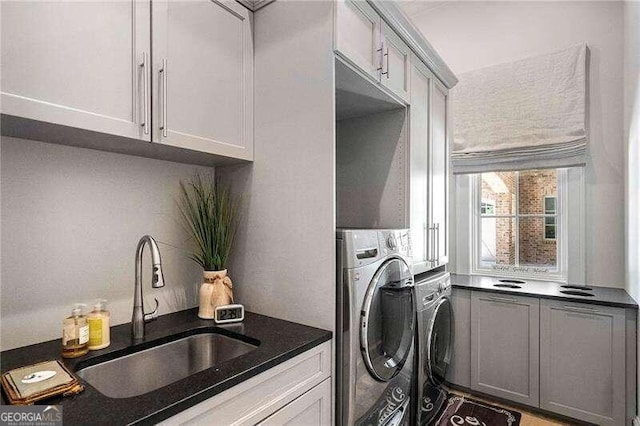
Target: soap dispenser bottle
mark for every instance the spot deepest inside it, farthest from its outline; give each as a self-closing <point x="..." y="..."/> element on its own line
<point x="75" y="333"/>
<point x="99" y="332"/>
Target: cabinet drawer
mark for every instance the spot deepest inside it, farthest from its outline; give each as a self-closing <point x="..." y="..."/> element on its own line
<point x="311" y="409"/>
<point x="259" y="397"/>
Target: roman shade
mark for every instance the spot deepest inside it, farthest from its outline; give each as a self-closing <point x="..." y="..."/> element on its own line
<point x="525" y="114"/>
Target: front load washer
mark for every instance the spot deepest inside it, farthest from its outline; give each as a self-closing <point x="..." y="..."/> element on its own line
<point x="375" y="328"/>
<point x="435" y="344"/>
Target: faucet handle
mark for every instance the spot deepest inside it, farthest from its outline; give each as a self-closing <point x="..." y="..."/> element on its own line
<point x="153" y="314"/>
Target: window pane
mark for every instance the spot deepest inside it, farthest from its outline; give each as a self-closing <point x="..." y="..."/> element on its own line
<point x="533" y="187"/>
<point x="536" y="250"/>
<point x="550" y="205"/>
<point x="497" y="245"/>
<point x="498" y="192"/>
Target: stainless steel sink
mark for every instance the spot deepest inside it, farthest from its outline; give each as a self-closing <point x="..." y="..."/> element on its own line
<point x="150" y="369"/>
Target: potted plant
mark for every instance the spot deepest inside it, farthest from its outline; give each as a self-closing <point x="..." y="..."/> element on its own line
<point x="210" y="214"/>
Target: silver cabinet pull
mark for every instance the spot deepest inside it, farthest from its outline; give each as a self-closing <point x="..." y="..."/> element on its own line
<point x="580" y="309"/>
<point x="502" y="299"/>
<point x="145" y="101"/>
<point x="381" y="59"/>
<point x="433" y="244"/>
<point x="163" y="75"/>
<point x="436" y="258"/>
<point x="425" y="233"/>
<point x="387" y="56"/>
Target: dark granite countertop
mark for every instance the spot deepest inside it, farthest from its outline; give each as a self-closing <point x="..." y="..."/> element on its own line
<point x="608" y="296"/>
<point x="279" y="341"/>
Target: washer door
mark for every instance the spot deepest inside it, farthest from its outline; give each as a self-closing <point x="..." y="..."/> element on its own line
<point x="439" y="342"/>
<point x="387" y="320"/>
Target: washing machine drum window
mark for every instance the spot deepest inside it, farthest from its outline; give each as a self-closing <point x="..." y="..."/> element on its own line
<point x="439" y="342"/>
<point x="387" y="321"/>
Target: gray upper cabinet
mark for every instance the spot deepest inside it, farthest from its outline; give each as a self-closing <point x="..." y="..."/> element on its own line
<point x="419" y="165"/>
<point x="582" y="361"/>
<point x="505" y="346"/>
<point x="460" y="369"/>
<point x="439" y="174"/>
<point x="173" y="72"/>
<point x="428" y="169"/>
<point x="369" y="43"/>
<point x="357" y="35"/>
<point x="396" y="63"/>
<point x="203" y="76"/>
<point x="78" y="64"/>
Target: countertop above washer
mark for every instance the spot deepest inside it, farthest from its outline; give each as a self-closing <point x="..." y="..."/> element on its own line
<point x="607" y="296"/>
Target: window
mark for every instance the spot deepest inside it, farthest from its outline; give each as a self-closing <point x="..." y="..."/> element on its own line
<point x="518" y="223"/>
<point x="550" y="221"/>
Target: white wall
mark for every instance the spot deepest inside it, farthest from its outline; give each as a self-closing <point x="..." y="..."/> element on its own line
<point x="472" y="35"/>
<point x="632" y="157"/>
<point x="71" y="219"/>
<point x="284" y="261"/>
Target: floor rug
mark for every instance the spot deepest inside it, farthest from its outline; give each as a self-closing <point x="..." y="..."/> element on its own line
<point x="462" y="411"/>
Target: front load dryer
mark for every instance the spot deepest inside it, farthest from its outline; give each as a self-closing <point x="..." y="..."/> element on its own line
<point x="375" y="328"/>
<point x="435" y="344"/>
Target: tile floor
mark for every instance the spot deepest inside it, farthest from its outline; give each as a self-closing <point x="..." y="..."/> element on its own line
<point x="528" y="418"/>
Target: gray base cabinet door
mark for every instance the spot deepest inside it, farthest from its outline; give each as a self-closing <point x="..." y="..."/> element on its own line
<point x="460" y="369"/>
<point x="582" y="361"/>
<point x="505" y="346"/>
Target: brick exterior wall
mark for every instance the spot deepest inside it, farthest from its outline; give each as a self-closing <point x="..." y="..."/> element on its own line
<point x="534" y="186"/>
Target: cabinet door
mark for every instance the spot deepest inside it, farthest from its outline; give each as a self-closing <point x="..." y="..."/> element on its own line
<point x="396" y="63"/>
<point x="358" y="35"/>
<point x="460" y="369"/>
<point x="419" y="143"/>
<point x="504" y="346"/>
<point x="203" y="76"/>
<point x="582" y="361"/>
<point x="439" y="174"/>
<point x="311" y="409"/>
<point x="77" y="64"/>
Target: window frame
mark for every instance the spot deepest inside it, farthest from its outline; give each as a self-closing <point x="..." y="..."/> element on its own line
<point x="517" y="271"/>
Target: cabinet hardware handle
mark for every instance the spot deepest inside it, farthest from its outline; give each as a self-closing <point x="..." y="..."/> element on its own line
<point x="381" y="59"/>
<point x="436" y="258"/>
<point x="387" y="56"/>
<point x="580" y="309"/>
<point x="425" y="233"/>
<point x="163" y="74"/>
<point x="145" y="101"/>
<point x="502" y="299"/>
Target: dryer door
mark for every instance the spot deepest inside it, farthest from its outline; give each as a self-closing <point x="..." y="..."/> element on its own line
<point x="387" y="320"/>
<point x="439" y="342"/>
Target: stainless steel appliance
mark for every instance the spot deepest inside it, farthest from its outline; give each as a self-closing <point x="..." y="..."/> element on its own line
<point x="375" y="328"/>
<point x="435" y="343"/>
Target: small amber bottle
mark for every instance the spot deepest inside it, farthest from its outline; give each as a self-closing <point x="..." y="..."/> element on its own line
<point x="75" y="333"/>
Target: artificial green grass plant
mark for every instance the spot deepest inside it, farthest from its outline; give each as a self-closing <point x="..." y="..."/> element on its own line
<point x="210" y="214"/>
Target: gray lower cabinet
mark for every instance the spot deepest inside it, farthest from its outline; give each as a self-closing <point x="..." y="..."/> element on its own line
<point x="459" y="372"/>
<point x="582" y="361"/>
<point x="505" y="346"/>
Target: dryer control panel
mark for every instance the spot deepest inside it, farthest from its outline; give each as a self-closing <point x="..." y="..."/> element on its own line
<point x="395" y="242"/>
